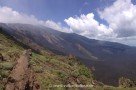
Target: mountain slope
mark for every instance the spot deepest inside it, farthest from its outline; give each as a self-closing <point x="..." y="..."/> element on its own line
<point x="110" y="60"/>
<point x="49" y="69"/>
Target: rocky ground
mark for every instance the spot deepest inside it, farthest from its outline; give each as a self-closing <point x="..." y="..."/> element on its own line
<point x="22" y="77"/>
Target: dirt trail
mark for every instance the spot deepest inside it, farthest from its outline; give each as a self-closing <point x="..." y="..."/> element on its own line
<point x="22" y="77"/>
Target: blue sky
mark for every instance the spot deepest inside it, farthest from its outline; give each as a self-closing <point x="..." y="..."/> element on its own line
<point x="56" y="10"/>
<point x="109" y="20"/>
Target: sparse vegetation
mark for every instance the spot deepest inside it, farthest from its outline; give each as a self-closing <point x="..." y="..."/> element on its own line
<point x="10" y="52"/>
<point x="38" y="69"/>
<point x="84" y="71"/>
<point x="6" y="65"/>
<point x="56" y="70"/>
<point x="1" y="86"/>
<point x="4" y="74"/>
<point x="49" y="69"/>
<point x="126" y="83"/>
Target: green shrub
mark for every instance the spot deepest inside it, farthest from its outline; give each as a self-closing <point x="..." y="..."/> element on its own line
<point x="125" y="83"/>
<point x="32" y="62"/>
<point x="84" y="71"/>
<point x="1" y="87"/>
<point x="61" y="74"/>
<point x="38" y="69"/>
<point x="75" y="73"/>
<point x="6" y="65"/>
<point x="4" y="74"/>
<point x="71" y="63"/>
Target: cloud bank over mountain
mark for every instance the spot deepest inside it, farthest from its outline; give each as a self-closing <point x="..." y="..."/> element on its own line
<point x="121" y="19"/>
<point x="8" y="15"/>
<point x="120" y="16"/>
<point x="86" y="25"/>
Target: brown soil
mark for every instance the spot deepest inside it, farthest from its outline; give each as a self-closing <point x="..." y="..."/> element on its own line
<point x="22" y="77"/>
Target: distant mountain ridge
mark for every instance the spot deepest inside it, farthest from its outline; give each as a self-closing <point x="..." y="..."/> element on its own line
<point x="111" y="60"/>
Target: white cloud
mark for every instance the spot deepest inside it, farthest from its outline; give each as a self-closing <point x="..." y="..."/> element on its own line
<point x="121" y="17"/>
<point x="7" y="15"/>
<point x="87" y="26"/>
<point x="57" y="26"/>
